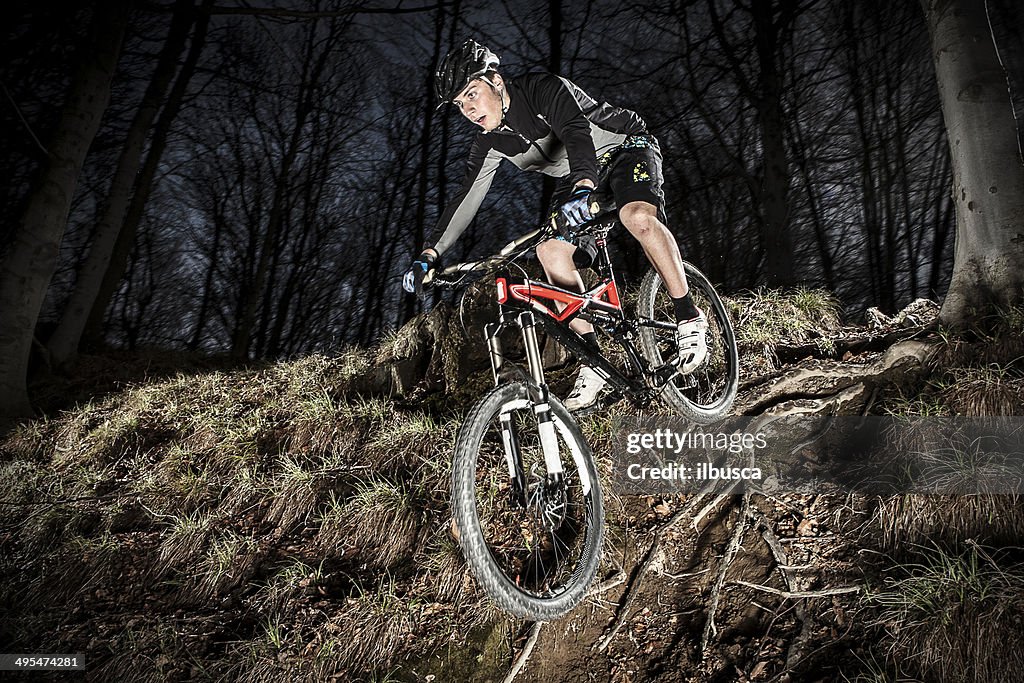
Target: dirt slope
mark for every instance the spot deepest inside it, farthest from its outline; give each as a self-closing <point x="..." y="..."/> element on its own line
<point x="291" y="522"/>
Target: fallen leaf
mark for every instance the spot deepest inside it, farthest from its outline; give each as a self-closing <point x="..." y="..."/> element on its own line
<point x="808" y="527"/>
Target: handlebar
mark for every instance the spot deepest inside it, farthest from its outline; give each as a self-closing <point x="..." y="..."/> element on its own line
<point x="457" y="272"/>
<point x="508" y="253"/>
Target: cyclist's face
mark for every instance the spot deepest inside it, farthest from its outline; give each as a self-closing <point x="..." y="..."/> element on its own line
<point x="481" y="104"/>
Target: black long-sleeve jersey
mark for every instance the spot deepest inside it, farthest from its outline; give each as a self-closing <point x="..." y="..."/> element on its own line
<point x="553" y="127"/>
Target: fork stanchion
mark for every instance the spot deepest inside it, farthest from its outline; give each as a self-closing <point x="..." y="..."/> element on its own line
<point x="541" y="406"/>
<point x="529" y="327"/>
<point x="491" y="331"/>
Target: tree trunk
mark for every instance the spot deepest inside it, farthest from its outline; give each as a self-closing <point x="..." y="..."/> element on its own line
<point x="778" y="268"/>
<point x="32" y="258"/>
<point x="312" y="69"/>
<point x="63" y="344"/>
<point x="988" y="171"/>
<point x="209" y="291"/>
<point x="549" y="184"/>
<point x="144" y="183"/>
<point x="410" y="304"/>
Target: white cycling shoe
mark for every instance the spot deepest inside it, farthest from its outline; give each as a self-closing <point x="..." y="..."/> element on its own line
<point x="691" y="340"/>
<point x="588" y="385"/>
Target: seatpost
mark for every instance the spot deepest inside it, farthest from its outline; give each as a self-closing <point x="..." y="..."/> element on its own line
<point x="601" y="240"/>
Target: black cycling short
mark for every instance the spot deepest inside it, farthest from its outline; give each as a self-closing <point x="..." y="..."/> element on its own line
<point x="629" y="173"/>
<point x="632" y="173"/>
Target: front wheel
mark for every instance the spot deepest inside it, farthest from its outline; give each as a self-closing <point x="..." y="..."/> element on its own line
<point x="706" y="394"/>
<point x="531" y="537"/>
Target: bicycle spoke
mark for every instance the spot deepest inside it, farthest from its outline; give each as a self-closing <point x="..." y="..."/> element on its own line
<point x="537" y="546"/>
<point x="707" y="393"/>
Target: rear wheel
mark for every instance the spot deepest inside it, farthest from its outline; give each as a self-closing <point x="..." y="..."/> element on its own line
<point x="706" y="394"/>
<point x="532" y="538"/>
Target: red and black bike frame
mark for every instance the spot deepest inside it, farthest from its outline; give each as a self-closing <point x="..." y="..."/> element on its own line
<point x="527" y="302"/>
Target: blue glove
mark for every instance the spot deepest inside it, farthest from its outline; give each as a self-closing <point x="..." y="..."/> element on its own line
<point x="577" y="209"/>
<point x="412" y="281"/>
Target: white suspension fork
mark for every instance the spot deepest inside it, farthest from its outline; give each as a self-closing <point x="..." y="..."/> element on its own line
<point x="541" y="407"/>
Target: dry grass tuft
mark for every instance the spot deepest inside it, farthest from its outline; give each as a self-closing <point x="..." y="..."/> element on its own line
<point x="997" y="339"/>
<point x="924" y="518"/>
<point x="956" y="617"/>
<point x="376" y="626"/>
<point x="384" y="522"/>
<point x="990" y="390"/>
<point x="956" y="455"/>
<point x="184" y="542"/>
<point x="324" y="427"/>
<point x="230" y="559"/>
<point x="295" y="494"/>
<point x="449" y="578"/>
<point x="287" y="583"/>
<point x="81" y="566"/>
<point x="332" y="539"/>
<point x="404" y="439"/>
<point x="767" y="318"/>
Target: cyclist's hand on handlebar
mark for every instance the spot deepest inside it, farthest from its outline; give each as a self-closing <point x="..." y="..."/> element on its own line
<point x="576" y="210"/>
<point x="412" y="282"/>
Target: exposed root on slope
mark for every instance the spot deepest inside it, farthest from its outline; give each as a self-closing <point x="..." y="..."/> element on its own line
<point x="653" y="557"/>
<point x="524" y="656"/>
<point x="836" y="386"/>
<point x="710" y="630"/>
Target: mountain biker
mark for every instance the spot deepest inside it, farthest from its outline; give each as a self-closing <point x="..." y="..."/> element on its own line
<point x="545" y="123"/>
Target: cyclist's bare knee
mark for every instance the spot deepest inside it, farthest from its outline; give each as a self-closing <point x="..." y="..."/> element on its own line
<point x="640" y="218"/>
<point x="556" y="258"/>
<point x="556" y="254"/>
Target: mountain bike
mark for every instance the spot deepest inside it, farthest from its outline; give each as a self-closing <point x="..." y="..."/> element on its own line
<point x="527" y="499"/>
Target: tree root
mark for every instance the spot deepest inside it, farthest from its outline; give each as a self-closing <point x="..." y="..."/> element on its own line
<point x="653" y="552"/>
<point x="792" y="595"/>
<point x="815" y="387"/>
<point x="852" y="342"/>
<point x="699" y="517"/>
<point x="517" y="666"/>
<point x="524" y="656"/>
<point x="847" y="384"/>
<point x="710" y="630"/>
<point x="618" y="579"/>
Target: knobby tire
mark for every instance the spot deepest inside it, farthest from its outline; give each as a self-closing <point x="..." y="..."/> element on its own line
<point x="706" y="395"/>
<point x="530" y="571"/>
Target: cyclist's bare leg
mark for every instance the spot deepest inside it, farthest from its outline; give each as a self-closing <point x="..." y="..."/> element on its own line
<point x="556" y="257"/>
<point x="641" y="219"/>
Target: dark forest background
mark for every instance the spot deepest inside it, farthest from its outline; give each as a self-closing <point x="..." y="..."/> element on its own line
<point x="283" y="162"/>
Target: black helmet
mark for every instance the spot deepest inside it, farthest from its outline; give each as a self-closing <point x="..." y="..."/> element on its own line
<point x="460" y="66"/>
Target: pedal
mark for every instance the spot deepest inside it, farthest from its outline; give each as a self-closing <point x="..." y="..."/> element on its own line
<point x="670" y="372"/>
<point x="603" y="401"/>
